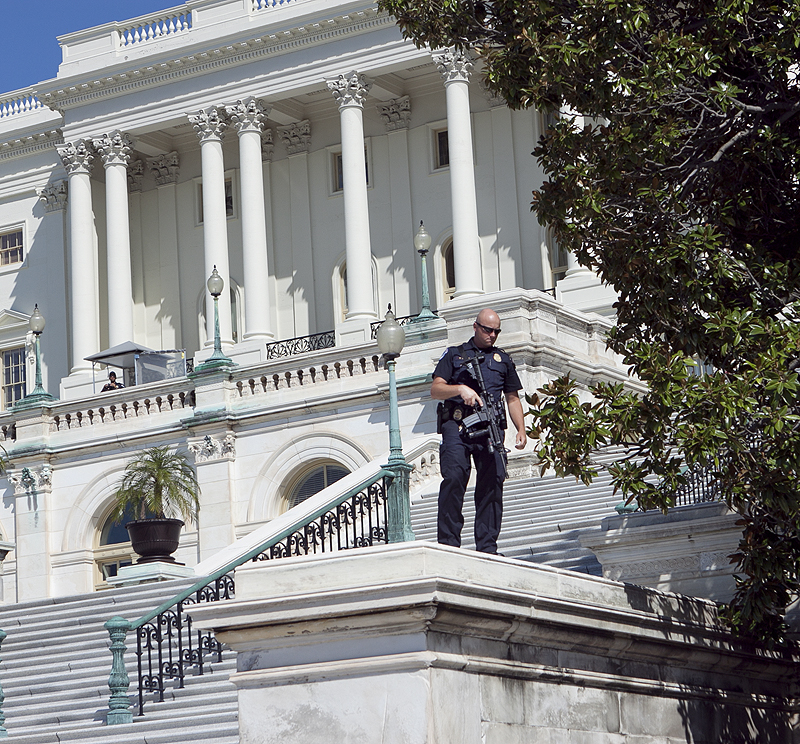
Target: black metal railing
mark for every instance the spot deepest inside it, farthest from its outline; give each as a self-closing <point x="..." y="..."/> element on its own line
<point x="168" y="647"/>
<point x="701" y="486"/>
<point x="403" y="320"/>
<point x="301" y="345"/>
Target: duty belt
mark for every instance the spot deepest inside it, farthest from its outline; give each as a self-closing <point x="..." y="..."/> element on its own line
<point x="452" y="411"/>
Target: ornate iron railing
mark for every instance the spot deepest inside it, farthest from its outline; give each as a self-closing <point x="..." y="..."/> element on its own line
<point x="404" y="320"/>
<point x="701" y="486"/>
<point x="166" y="644"/>
<point x="301" y="344"/>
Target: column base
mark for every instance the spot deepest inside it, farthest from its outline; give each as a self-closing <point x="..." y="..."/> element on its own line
<point x="582" y="290"/>
<point x="354" y="331"/>
<point x="80" y="384"/>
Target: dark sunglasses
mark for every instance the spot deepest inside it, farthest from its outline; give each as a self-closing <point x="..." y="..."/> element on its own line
<point x="488" y="329"/>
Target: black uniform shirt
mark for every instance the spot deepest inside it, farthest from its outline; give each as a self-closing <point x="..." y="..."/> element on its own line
<point x="498" y="369"/>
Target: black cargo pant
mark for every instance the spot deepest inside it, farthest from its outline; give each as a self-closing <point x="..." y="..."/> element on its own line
<point x="454" y="460"/>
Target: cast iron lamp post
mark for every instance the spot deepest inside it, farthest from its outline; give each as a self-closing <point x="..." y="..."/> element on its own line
<point x="38" y="394"/>
<point x="391" y="338"/>
<point x="422" y="242"/>
<point x="217" y="360"/>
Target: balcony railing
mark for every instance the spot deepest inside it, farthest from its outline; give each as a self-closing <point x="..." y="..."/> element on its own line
<point x="18" y="102"/>
<point x="301" y="345"/>
<point x="403" y="321"/>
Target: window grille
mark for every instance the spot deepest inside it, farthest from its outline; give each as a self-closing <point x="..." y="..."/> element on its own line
<point x="11" y="248"/>
<point x="13" y="376"/>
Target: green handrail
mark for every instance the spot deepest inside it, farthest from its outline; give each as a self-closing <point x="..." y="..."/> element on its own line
<point x="118" y="627"/>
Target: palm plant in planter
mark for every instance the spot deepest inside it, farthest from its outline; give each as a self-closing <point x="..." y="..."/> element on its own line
<point x="163" y="484"/>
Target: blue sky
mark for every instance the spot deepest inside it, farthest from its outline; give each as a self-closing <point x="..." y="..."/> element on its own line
<point x="28" y="29"/>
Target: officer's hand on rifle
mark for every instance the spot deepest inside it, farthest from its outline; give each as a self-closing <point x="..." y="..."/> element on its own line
<point x="469" y="396"/>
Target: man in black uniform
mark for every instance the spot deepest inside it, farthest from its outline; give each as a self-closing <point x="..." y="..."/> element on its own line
<point x="453" y="384"/>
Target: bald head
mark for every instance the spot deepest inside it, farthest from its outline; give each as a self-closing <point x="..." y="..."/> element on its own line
<point x="487" y="328"/>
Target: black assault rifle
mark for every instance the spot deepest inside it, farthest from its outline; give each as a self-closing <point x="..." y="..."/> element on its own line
<point x="486" y="421"/>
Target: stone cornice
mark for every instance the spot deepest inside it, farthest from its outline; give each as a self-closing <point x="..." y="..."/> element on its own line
<point x="200" y="63"/>
<point x="30" y="144"/>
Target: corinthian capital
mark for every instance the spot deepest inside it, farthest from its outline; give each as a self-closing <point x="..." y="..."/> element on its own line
<point x="135" y="175"/>
<point x="77" y="156"/>
<point x="296" y="137"/>
<point x="165" y="168"/>
<point x="396" y="113"/>
<point x="208" y="124"/>
<point x="350" y="89"/>
<point x="114" y="148"/>
<point x="53" y="196"/>
<point x="453" y="64"/>
<point x="248" y="115"/>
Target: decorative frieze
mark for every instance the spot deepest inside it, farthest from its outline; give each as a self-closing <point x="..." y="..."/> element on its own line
<point x="214" y="449"/>
<point x="165" y="168"/>
<point x="77" y="157"/>
<point x="350" y="89"/>
<point x="395" y="114"/>
<point x="53" y="196"/>
<point x="208" y="124"/>
<point x="248" y="115"/>
<point x="30" y="480"/>
<point x="267" y="145"/>
<point x="135" y="175"/>
<point x="114" y="148"/>
<point x="453" y="65"/>
<point x="296" y="136"/>
<point x="31" y="143"/>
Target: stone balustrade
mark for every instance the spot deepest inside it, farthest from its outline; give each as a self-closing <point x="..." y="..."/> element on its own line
<point x="129" y="403"/>
<point x="265" y="4"/>
<point x="18" y="102"/>
<point x="154" y="26"/>
<point x="285" y="374"/>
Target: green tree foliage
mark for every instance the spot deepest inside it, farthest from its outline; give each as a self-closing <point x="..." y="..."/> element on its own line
<point x="159" y="482"/>
<point x="679" y="185"/>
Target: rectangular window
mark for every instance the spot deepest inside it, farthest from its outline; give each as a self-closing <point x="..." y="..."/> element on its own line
<point x="229" y="212"/>
<point x="558" y="262"/>
<point x="337" y="170"/>
<point x="11" y="248"/>
<point x="13" y="376"/>
<point x="441" y="149"/>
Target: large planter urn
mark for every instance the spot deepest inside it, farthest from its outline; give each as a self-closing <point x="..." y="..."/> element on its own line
<point x="155" y="539"/>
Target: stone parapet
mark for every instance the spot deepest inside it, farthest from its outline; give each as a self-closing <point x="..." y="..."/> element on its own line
<point x="419" y="643"/>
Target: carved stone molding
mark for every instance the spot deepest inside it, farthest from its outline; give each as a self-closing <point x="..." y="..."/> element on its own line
<point x="396" y="114"/>
<point x="453" y="65"/>
<point x="135" y="175"/>
<point x="77" y="157"/>
<point x="350" y="89"/>
<point x="296" y="137"/>
<point x="53" y="196"/>
<point x="165" y="168"/>
<point x="214" y="449"/>
<point x="114" y="148"/>
<point x="652" y="568"/>
<point x="208" y="124"/>
<point x="493" y="99"/>
<point x="30" y="143"/>
<point x="267" y="145"/>
<point x="29" y="480"/>
<point x="248" y="115"/>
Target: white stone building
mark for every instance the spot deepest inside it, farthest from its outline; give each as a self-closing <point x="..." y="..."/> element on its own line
<point x="294" y="145"/>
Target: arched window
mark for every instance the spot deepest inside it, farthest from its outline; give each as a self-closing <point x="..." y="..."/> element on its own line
<point x="315" y="480"/>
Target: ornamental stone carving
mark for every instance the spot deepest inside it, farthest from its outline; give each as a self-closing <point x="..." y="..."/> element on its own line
<point x="114" y="148"/>
<point x="209" y="124"/>
<point x="165" y="168"/>
<point x="396" y="114"/>
<point x="77" y="156"/>
<point x="29" y="480"/>
<point x="267" y="145"/>
<point x="135" y="175"/>
<point x="454" y="65"/>
<point x="53" y="196"/>
<point x="296" y="137"/>
<point x="214" y="449"/>
<point x="350" y="89"/>
<point x="248" y="115"/>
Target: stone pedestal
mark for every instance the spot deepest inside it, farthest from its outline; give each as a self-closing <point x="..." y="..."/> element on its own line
<point x="147" y="573"/>
<point x="420" y="644"/>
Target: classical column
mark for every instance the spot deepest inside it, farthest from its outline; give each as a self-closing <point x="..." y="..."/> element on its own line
<point x="350" y="90"/>
<point x="210" y="128"/>
<point x="247" y="118"/>
<point x="455" y="67"/>
<point x="115" y="150"/>
<point x="77" y="159"/>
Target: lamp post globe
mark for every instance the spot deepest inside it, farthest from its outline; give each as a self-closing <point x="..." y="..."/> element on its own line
<point x="38" y="395"/>
<point x="218" y="360"/>
<point x="422" y="242"/>
<point x="391" y="337"/>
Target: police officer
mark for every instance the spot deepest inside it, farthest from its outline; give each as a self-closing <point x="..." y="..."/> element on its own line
<point x="453" y="384"/>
